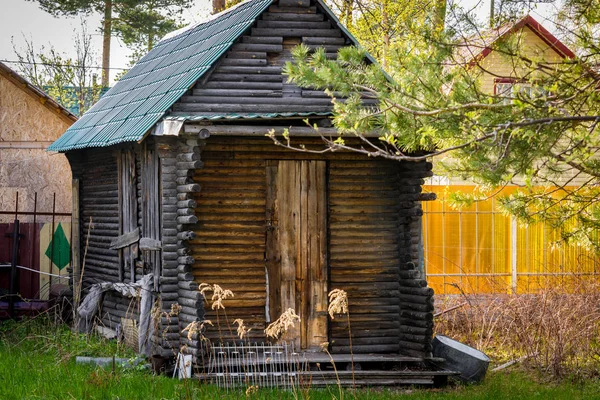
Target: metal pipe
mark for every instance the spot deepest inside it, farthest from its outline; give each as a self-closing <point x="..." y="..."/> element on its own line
<point x="13" y="269"/>
<point x="52" y="244"/>
<point x="32" y="250"/>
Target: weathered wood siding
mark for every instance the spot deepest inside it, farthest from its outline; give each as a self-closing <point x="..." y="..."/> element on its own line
<point x="249" y="79"/>
<point x="372" y="208"/>
<point x="99" y="209"/>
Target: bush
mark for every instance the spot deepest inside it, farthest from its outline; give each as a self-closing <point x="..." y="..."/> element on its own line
<point x="557" y="330"/>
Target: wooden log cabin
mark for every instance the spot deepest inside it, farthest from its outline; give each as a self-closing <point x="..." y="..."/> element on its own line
<point x="174" y="176"/>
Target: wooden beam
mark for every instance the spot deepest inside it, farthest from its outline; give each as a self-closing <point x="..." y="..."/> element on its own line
<point x="252" y="130"/>
<point x="149" y="244"/>
<point x="125" y="240"/>
<point x="75" y="243"/>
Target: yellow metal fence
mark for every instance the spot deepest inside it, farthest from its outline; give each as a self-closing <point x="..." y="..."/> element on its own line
<point x="480" y="250"/>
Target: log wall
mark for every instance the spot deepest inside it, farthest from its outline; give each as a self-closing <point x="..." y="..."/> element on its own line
<point x="373" y="214"/>
<point x="99" y="209"/>
<point x="248" y="78"/>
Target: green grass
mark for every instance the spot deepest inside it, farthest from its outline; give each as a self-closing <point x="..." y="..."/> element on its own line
<point x="37" y="362"/>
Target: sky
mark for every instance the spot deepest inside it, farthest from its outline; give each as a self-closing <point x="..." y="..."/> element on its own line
<point x="20" y="18"/>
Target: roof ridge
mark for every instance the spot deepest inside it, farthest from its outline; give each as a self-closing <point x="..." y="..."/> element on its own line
<point x="208" y="19"/>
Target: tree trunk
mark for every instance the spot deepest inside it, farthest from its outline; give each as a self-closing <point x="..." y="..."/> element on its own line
<point x="439" y="18"/>
<point x="347" y="12"/>
<point x="106" y="33"/>
<point x="218" y="6"/>
<point x="386" y="38"/>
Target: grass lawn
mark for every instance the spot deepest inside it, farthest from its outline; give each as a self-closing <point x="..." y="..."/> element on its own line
<point x="37" y="361"/>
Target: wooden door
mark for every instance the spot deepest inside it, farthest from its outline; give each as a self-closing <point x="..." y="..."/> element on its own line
<point x="296" y="248"/>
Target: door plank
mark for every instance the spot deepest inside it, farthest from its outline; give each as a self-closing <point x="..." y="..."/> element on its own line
<point x="288" y="181"/>
<point x="272" y="256"/>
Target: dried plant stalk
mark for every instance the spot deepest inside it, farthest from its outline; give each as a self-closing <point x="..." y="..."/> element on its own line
<point x="219" y="294"/>
<point x="338" y="302"/>
<point x="283" y="323"/>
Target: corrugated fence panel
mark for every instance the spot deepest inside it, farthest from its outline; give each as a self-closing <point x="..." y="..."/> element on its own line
<point x="480" y="250"/>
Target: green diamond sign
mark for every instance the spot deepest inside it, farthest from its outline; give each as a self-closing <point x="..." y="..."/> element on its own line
<point x="59" y="249"/>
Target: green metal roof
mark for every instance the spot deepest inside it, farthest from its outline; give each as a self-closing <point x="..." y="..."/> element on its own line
<point x="136" y="102"/>
<point x="149" y="89"/>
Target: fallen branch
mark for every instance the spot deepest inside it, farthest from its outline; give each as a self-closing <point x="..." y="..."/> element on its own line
<point x="513" y="362"/>
<point x="450" y="309"/>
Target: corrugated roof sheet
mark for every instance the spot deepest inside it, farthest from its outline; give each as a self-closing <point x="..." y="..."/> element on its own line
<point x="136" y="102"/>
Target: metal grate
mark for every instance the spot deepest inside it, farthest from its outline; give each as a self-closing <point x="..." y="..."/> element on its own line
<point x="262" y="365"/>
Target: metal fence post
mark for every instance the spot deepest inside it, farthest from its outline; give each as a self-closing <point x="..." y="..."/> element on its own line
<point x="513" y="253"/>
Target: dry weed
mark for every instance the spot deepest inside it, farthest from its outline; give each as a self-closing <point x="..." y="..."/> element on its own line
<point x="283" y="323"/>
<point x="242" y="330"/>
<point x="338" y="302"/>
<point x="219" y="294"/>
<point x="197" y="327"/>
<point x="557" y="330"/>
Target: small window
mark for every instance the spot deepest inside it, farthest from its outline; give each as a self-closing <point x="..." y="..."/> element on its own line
<point x="508" y="89"/>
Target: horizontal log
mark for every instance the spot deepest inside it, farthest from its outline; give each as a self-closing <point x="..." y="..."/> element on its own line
<point x="418" y="315"/>
<point x="311" y="40"/>
<point x="183" y="180"/>
<point x="187" y="211"/>
<point x="187" y="165"/>
<point x="272" y="24"/>
<point x="414" y="330"/>
<point x="417" y="307"/>
<point x="291" y="8"/>
<point x="187" y="157"/>
<point x="415" y="338"/>
<point x="244" y="62"/>
<point x="185" y="260"/>
<point x="415" y="346"/>
<point x="188" y="276"/>
<point x="184" y="251"/>
<point x="263" y="39"/>
<point x="169" y="287"/>
<point x="191" y="294"/>
<point x="302" y="4"/>
<point x="190" y="219"/>
<point x="416" y="283"/>
<point x="296" y="32"/>
<point x="184" y="196"/>
<point x="425" y="291"/>
<point x="258" y="47"/>
<point x="187" y="203"/>
<point x="241" y="85"/>
<point x="251" y="55"/>
<point x="411" y="274"/>
<point x="188" y="285"/>
<point x="149" y="244"/>
<point x="408" y="298"/>
<point x="247" y="78"/>
<point x="186" y="235"/>
<point x="169" y="296"/>
<point x="283" y="16"/>
<point x="427" y="196"/>
<point x="191" y="188"/>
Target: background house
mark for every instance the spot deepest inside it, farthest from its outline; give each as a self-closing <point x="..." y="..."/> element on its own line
<point x="478" y="249"/>
<point x="30" y="121"/>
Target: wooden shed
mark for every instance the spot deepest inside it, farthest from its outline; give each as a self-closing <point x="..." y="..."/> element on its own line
<point x="174" y="176"/>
